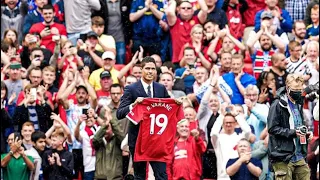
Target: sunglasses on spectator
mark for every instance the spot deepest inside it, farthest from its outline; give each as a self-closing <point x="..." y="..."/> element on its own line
<point x="186" y="8"/>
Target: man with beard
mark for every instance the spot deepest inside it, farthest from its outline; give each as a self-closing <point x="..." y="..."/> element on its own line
<point x="38" y="139"/>
<point x="262" y="57"/>
<point x="278" y="69"/>
<point x="299" y="30"/>
<point x="34" y="17"/>
<point x="75" y="110"/>
<point x="181" y="25"/>
<point x="48" y="29"/>
<point x="109" y="60"/>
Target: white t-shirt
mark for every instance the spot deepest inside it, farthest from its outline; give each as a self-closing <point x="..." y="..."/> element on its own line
<point x="89" y="159"/>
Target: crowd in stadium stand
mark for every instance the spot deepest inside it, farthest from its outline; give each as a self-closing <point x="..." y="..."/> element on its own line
<point x="159" y="89"/>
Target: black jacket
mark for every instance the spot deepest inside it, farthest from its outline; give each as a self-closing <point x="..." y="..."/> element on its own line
<point x="21" y="115"/>
<point x="54" y="172"/>
<point x="125" y="6"/>
<point x="5" y="123"/>
<point x="281" y="130"/>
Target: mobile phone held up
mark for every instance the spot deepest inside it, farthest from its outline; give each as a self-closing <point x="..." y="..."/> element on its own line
<point x="85" y="111"/>
<point x="33" y="93"/>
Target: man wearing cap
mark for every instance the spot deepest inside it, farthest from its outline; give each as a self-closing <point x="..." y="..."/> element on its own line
<point x="104" y="93"/>
<point x="261" y="56"/>
<point x="73" y="111"/>
<point x="15" y="84"/>
<point x="281" y="19"/>
<point x="90" y="56"/>
<point x="107" y="65"/>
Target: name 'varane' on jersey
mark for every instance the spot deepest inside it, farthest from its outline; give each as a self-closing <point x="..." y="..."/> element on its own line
<point x="158" y="125"/>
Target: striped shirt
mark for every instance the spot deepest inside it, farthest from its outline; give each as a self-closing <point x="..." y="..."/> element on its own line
<point x="33" y="117"/>
<point x="299" y="67"/>
<point x="73" y="114"/>
<point x="297" y="9"/>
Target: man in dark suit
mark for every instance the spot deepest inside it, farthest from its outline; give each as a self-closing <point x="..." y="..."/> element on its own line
<point x="134" y="94"/>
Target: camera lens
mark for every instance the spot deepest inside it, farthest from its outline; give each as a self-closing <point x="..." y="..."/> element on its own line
<point x="303" y="129"/>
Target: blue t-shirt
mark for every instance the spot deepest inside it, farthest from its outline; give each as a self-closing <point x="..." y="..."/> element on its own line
<point x="189" y="80"/>
<point x="146" y="27"/>
<point x="239" y="130"/>
<point x="312" y="30"/>
<point x="245" y="80"/>
<point x="243" y="172"/>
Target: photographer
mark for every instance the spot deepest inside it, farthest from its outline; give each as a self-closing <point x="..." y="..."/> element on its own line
<point x="289" y="136"/>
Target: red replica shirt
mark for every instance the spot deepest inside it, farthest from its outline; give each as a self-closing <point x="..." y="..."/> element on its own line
<point x="47" y="40"/>
<point x="158" y="125"/>
<point x="180" y="35"/>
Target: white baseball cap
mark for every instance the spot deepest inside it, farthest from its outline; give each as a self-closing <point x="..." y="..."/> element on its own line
<point x="108" y="55"/>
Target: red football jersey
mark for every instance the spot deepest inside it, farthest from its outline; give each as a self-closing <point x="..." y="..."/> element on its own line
<point x="158" y="126"/>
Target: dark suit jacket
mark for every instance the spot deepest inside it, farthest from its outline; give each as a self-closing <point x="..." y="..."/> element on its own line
<point x="131" y="93"/>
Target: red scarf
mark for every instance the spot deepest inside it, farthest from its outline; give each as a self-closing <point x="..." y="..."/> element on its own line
<point x="91" y="131"/>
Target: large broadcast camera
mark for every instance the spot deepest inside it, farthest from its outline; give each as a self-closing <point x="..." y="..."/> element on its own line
<point x="311" y="92"/>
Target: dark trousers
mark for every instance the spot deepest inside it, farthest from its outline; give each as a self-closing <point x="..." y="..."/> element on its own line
<point x="78" y="163"/>
<point x="159" y="169"/>
<point x="209" y="165"/>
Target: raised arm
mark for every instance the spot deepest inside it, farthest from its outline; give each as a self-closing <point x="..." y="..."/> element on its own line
<point x="276" y="41"/>
<point x="91" y="91"/>
<point x="251" y="41"/>
<point x="64" y="96"/>
<point x="238" y="83"/>
<point x="158" y="14"/>
<point x="205" y="63"/>
<point x="234" y="40"/>
<point x="77" y="135"/>
<point x="171" y="12"/>
<point x="216" y="130"/>
<point x="97" y="59"/>
<point x="126" y="68"/>
<point x="137" y="14"/>
<point x="203" y="13"/>
<point x="56" y="52"/>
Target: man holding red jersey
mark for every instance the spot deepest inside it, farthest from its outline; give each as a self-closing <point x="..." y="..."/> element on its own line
<point x="133" y="94"/>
